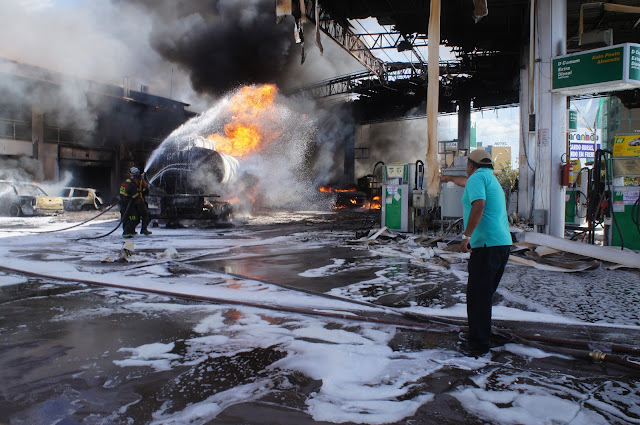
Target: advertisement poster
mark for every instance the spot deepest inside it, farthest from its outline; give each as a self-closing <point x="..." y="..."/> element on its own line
<point x="583" y="144"/>
<point x="627" y="145"/>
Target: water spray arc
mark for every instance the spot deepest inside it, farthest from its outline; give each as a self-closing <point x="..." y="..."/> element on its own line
<point x="235" y="151"/>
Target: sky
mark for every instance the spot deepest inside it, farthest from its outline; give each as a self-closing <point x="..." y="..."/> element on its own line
<point x="361" y="378"/>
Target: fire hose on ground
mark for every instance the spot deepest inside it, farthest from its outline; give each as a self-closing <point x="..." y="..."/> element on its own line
<point x="74" y="226"/>
<point x="126" y="210"/>
<point x="438" y="324"/>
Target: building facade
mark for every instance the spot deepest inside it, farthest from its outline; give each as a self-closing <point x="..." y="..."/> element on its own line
<point x="86" y="132"/>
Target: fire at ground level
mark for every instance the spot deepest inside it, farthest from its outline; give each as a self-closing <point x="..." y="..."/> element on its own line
<point x="282" y="319"/>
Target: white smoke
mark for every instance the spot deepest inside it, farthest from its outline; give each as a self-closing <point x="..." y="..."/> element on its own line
<point x="110" y="40"/>
<point x="98" y="40"/>
<point x="21" y="169"/>
<point x="277" y="176"/>
<point x="25" y="169"/>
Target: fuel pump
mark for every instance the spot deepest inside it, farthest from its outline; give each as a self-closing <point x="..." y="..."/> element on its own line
<point x="598" y="204"/>
<point x="576" y="196"/>
<point x="399" y="180"/>
<point x="420" y="199"/>
<point x="450" y="198"/>
<point x="625" y="175"/>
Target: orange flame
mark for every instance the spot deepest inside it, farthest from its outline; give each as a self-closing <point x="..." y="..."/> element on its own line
<point x="245" y="133"/>
<point x="329" y="189"/>
<point x="374" y="204"/>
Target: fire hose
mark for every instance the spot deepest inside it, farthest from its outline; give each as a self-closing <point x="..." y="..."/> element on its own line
<point x="437" y="324"/>
<point x="126" y="210"/>
<point x="594" y="352"/>
<point x="304" y="311"/>
<point x="122" y="216"/>
<point x="70" y="227"/>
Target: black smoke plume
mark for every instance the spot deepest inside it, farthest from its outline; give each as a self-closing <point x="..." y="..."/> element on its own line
<point x="221" y="43"/>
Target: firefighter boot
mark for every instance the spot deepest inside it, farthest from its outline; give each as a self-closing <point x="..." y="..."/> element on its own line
<point x="144" y="230"/>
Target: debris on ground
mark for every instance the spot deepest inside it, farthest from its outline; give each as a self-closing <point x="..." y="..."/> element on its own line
<point x="614" y="255"/>
<point x="531" y="249"/>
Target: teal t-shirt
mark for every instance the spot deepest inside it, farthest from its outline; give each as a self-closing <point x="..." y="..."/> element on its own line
<point x="493" y="229"/>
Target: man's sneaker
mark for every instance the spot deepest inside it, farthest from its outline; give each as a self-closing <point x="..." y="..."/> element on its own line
<point x="472" y="350"/>
<point x="127" y="235"/>
<point x="146" y="232"/>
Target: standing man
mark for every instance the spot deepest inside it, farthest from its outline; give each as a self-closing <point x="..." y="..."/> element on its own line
<point x="487" y="237"/>
<point x="133" y="207"/>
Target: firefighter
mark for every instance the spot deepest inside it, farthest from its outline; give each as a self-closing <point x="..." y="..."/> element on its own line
<point x="133" y="207"/>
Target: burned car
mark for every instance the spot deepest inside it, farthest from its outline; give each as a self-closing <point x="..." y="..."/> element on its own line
<point x="81" y="199"/>
<point x="27" y="199"/>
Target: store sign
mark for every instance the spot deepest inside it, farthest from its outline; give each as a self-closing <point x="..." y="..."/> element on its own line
<point x="583" y="150"/>
<point x="599" y="70"/>
<point x="583" y="144"/>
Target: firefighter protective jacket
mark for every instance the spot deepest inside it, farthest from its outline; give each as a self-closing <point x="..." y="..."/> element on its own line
<point x="134" y="190"/>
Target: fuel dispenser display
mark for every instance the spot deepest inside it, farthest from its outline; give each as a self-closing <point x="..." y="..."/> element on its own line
<point x="625" y="165"/>
<point x="403" y="199"/>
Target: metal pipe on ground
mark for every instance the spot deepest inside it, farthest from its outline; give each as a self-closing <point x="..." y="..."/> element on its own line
<point x="438" y="325"/>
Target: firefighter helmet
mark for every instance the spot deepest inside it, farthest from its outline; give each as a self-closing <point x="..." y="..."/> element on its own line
<point x="134" y="171"/>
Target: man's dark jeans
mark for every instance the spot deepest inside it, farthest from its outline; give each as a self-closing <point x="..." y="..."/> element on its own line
<point x="486" y="266"/>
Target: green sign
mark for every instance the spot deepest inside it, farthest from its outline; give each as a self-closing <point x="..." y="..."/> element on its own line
<point x="634" y="62"/>
<point x="599" y="70"/>
<point x="573" y="120"/>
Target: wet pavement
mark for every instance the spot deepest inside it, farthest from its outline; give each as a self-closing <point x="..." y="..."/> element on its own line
<point x="73" y="353"/>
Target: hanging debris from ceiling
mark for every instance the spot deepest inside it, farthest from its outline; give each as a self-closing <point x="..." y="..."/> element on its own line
<point x="298" y="10"/>
<point x="433" y="88"/>
<point x="318" y="42"/>
<point x="283" y="9"/>
<point x="480" y="9"/>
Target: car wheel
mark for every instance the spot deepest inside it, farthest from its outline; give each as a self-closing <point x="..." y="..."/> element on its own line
<point x="15" y="211"/>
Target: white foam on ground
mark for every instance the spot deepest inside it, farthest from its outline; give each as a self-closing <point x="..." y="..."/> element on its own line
<point x="6" y="280"/>
<point x="361" y="379"/>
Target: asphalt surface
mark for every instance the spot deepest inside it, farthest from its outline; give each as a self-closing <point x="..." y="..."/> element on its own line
<point x="61" y="342"/>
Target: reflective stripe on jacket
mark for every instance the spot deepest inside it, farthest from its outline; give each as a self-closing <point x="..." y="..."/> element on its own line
<point x="129" y="189"/>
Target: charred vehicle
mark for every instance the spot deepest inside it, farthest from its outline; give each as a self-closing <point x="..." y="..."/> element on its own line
<point x="27" y="199"/>
<point x="185" y="176"/>
<point x="81" y="199"/>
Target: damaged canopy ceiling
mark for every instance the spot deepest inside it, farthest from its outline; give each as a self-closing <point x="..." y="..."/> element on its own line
<point x="488" y="50"/>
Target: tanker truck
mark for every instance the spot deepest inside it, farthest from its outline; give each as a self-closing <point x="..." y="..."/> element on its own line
<point x="187" y="176"/>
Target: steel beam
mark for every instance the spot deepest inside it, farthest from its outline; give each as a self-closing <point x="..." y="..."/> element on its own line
<point x="361" y="80"/>
<point x="343" y="35"/>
